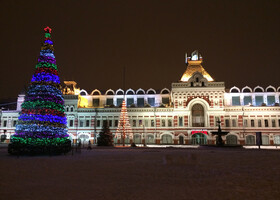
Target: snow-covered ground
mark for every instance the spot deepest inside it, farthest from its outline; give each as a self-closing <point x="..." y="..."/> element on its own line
<point x="143" y="173"/>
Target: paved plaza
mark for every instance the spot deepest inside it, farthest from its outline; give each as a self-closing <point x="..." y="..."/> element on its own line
<point x="143" y="173"/>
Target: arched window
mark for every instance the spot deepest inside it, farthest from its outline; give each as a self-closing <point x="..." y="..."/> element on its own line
<point x="83" y="93"/>
<point x="197" y="115"/>
<point x="246" y="90"/>
<point x="137" y="139"/>
<point x="231" y="140"/>
<point x="166" y="139"/>
<point x="110" y="93"/>
<point x="150" y="139"/>
<point x="130" y="92"/>
<point x="120" y="92"/>
<point x="234" y="91"/>
<point x="250" y="140"/>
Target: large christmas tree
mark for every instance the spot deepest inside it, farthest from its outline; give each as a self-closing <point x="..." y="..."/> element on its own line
<point x="41" y="126"/>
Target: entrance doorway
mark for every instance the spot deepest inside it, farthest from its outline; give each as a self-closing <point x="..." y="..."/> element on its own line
<point x="199" y="139"/>
<point x="181" y="140"/>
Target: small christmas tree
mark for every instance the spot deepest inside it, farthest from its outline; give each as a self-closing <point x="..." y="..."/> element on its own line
<point x="41" y="126"/>
<point x="105" y="136"/>
<point x="124" y="129"/>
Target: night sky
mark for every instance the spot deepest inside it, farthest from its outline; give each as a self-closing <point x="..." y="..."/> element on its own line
<point x="94" y="41"/>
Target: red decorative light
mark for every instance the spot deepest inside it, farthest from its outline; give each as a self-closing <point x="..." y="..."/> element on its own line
<point x="48" y="29"/>
<point x="198" y="131"/>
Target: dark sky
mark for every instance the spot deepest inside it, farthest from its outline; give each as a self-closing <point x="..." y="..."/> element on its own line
<point x="94" y="40"/>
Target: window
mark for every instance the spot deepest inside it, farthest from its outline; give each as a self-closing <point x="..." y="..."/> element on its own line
<point x="71" y="122"/>
<point x="98" y="123"/>
<point x="119" y="101"/>
<point x="277" y="139"/>
<point x="169" y="122"/>
<point x="5" y="123"/>
<point x="165" y="100"/>
<point x="216" y="121"/>
<point x="245" y="123"/>
<point x="146" y="122"/>
<point x="67" y="109"/>
<point x="270" y="100"/>
<point x="273" y="123"/>
<point x="130" y="101"/>
<point x="233" y="123"/>
<point x="247" y="100"/>
<point x="197" y="115"/>
<point x="252" y="123"/>
<point x="202" y="84"/>
<point x="180" y="121"/>
<point x="152" y="123"/>
<point x="259" y="100"/>
<point x="134" y="123"/>
<point x="259" y="123"/>
<point x="81" y="123"/>
<point x="196" y="79"/>
<point x="227" y="123"/>
<point x="116" y="123"/>
<point x="95" y="102"/>
<point x="163" y="122"/>
<point x="140" y="102"/>
<point x="71" y="109"/>
<point x="110" y="123"/>
<point x="236" y="101"/>
<point x="151" y="101"/>
<point x="109" y="101"/>
<point x="266" y="123"/>
<point x="87" y="123"/>
<point x="250" y="140"/>
<point x="140" y="122"/>
<point x="14" y="123"/>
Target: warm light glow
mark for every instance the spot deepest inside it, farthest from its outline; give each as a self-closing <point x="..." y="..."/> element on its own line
<point x="124" y="129"/>
<point x="83" y="102"/>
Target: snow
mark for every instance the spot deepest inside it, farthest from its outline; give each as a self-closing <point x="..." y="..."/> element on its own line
<point x="143" y="173"/>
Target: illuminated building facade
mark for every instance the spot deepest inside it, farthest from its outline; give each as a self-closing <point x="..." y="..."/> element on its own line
<point x="186" y="113"/>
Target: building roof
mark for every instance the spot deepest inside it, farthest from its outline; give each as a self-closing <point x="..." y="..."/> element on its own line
<point x="194" y="65"/>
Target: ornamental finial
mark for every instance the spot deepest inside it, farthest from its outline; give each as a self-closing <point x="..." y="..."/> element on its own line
<point x="48" y="29"/>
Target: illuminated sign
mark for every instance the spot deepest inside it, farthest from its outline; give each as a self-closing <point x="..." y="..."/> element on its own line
<point x="199" y="131"/>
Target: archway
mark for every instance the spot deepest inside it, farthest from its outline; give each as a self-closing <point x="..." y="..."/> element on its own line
<point x="83" y="138"/>
<point x="166" y="139"/>
<point x="199" y="139"/>
<point x="231" y="140"/>
<point x="197" y="115"/>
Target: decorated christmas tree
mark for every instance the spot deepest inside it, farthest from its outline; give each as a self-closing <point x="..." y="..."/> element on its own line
<point x="105" y="136"/>
<point x="41" y="126"/>
<point x="124" y="130"/>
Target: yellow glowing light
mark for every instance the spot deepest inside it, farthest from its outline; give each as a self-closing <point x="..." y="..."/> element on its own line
<point x="195" y="66"/>
<point x="83" y="102"/>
